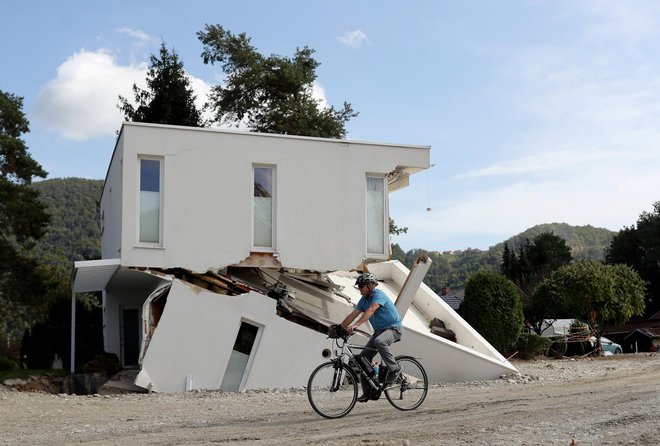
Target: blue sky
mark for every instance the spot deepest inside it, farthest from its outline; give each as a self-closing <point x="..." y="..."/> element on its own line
<point x="536" y="111"/>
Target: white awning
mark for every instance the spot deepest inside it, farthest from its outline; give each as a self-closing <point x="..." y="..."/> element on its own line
<point x="92" y="275"/>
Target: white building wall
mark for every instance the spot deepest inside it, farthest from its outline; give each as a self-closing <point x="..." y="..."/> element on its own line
<point x="196" y="334"/>
<point x="111" y="206"/>
<point x="447" y="361"/>
<point x="320" y="195"/>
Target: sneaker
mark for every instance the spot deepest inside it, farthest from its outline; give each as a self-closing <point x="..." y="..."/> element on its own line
<point x="393" y="376"/>
<point x="363" y="398"/>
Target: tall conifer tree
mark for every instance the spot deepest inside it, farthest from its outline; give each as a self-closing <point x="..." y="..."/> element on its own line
<point x="169" y="97"/>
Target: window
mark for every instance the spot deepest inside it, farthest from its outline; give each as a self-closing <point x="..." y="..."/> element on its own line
<point x="263" y="207"/>
<point x="150" y="200"/>
<point x="376" y="212"/>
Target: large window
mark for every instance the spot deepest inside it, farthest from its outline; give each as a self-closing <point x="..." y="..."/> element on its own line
<point x="376" y="213"/>
<point x="150" y="200"/>
<point x="263" y="207"/>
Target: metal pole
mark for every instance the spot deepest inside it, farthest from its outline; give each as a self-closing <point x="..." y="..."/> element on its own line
<point x="73" y="332"/>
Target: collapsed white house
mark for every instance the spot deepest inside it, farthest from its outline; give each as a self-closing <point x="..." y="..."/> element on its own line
<point x="225" y="256"/>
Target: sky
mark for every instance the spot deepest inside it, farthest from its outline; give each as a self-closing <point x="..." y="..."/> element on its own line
<point x="536" y="111"/>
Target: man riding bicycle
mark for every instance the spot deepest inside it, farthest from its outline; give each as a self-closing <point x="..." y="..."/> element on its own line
<point x="376" y="307"/>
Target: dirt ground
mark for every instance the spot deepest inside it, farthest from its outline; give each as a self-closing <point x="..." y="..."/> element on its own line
<point x="607" y="401"/>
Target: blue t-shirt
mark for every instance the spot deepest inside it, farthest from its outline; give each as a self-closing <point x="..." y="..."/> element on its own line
<point x="385" y="316"/>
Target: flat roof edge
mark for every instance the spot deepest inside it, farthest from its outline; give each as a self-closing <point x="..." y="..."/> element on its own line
<point x="272" y="135"/>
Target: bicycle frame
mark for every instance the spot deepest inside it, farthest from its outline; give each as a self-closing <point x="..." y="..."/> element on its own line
<point x="343" y="357"/>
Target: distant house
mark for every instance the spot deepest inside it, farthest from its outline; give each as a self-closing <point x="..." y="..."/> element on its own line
<point x="642" y="339"/>
<point x="642" y="335"/>
<point x="225" y="255"/>
<point x="453" y="297"/>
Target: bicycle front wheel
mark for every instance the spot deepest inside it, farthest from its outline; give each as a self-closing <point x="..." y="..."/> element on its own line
<point x="409" y="390"/>
<point x="332" y="389"/>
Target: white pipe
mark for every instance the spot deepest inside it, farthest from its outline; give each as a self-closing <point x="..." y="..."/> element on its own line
<point x="412" y="284"/>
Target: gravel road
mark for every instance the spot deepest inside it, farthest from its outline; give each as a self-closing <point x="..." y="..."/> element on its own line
<point x="613" y="400"/>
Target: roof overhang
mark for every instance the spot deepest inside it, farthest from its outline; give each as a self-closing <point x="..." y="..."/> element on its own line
<point x="400" y="177"/>
<point x="93" y="275"/>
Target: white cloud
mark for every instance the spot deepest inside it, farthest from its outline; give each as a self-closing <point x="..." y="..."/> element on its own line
<point x="598" y="86"/>
<point x="318" y="93"/>
<point x="353" y="38"/>
<point x="81" y="102"/>
<point x="135" y="33"/>
<point x="140" y="42"/>
<point x="545" y="162"/>
<point x="605" y="189"/>
<point x="619" y="20"/>
<point x="587" y="150"/>
<point x="583" y="144"/>
<point x="201" y="89"/>
<point x="608" y="195"/>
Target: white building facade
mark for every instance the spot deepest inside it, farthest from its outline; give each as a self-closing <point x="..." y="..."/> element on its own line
<point x="186" y="211"/>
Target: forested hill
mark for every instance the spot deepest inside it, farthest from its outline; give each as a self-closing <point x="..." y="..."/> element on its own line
<point x="74" y="234"/>
<point x="586" y="242"/>
<point x="74" y="231"/>
<point x="455" y="267"/>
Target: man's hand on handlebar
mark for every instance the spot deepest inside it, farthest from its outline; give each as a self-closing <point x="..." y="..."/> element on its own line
<point x="337" y="331"/>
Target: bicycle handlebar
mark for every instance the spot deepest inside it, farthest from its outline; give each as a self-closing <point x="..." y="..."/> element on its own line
<point x="336" y="331"/>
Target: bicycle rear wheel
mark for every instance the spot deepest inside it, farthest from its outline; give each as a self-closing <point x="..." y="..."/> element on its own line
<point x="409" y="390"/>
<point x="332" y="390"/>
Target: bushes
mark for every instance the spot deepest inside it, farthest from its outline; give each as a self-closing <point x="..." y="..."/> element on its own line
<point x="530" y="345"/>
<point x="7" y="364"/>
<point x="53" y="337"/>
<point x="104" y="363"/>
<point x="493" y="307"/>
<point x="36" y="348"/>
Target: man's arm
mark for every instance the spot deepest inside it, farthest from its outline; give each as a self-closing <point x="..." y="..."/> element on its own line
<point x="365" y="317"/>
<point x="350" y="318"/>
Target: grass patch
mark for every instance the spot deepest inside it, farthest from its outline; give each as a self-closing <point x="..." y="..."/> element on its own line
<point x="25" y="373"/>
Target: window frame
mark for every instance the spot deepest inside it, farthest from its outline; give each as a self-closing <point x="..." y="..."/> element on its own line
<point x="386" y="232"/>
<point x="253" y="351"/>
<point x="273" y="246"/>
<point x="161" y="166"/>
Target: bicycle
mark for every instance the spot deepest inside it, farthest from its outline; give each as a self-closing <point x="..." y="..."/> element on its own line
<point x="332" y="388"/>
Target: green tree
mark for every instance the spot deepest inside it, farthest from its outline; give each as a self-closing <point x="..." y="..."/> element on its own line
<point x="270" y="94"/>
<point x="639" y="247"/>
<point x="169" y="98"/>
<point x="74" y="231"/>
<point x="535" y="262"/>
<point x="548" y="252"/>
<point x="73" y="234"/>
<point x="23" y="220"/>
<point x="602" y="295"/>
<point x="396" y="230"/>
<point x="493" y="307"/>
<point x="398" y="253"/>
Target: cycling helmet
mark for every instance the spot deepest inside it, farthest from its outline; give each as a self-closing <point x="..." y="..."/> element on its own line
<point x="365" y="278"/>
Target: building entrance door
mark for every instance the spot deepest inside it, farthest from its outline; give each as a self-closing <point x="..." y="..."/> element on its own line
<point x="240" y="355"/>
<point x="130" y="334"/>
